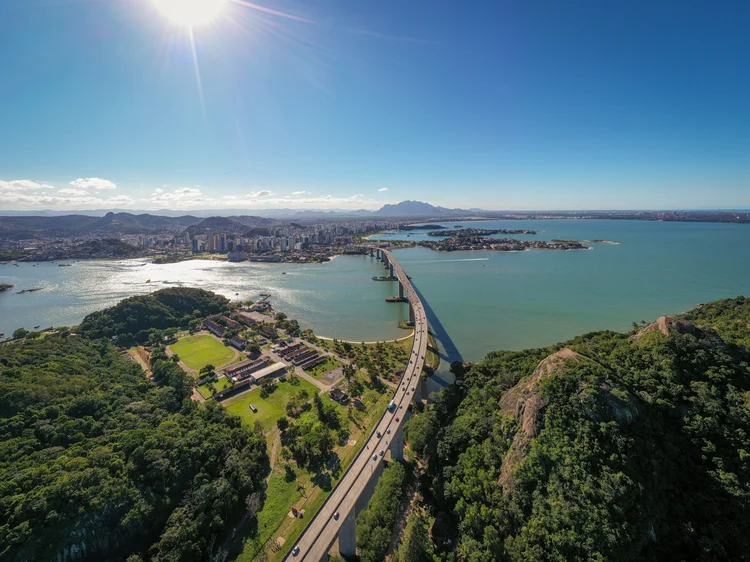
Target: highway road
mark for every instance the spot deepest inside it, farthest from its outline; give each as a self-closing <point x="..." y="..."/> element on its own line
<point x="322" y="531"/>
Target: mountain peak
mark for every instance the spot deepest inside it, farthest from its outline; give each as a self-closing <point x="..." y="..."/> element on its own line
<point x="416" y="209"/>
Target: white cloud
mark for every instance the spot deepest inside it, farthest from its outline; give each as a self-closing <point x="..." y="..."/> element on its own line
<point x="23" y="185"/>
<point x="179" y="198"/>
<point x="187" y="191"/>
<point x="95" y="184"/>
<point x="383" y="189"/>
<point x="76" y="192"/>
<point x="91" y="193"/>
<point x="119" y="200"/>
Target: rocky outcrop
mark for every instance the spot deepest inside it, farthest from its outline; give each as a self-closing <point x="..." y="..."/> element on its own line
<point x="667" y="325"/>
<point x="525" y="403"/>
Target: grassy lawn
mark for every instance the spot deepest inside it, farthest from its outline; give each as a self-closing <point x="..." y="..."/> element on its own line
<point x="281" y="495"/>
<point x="221" y="384"/>
<point x="269" y="409"/>
<point x="324" y="368"/>
<point x="198" y="351"/>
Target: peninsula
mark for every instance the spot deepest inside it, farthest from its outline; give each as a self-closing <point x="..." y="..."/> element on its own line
<point x="465" y="243"/>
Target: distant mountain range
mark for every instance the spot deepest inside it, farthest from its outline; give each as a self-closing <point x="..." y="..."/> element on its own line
<point x="402" y="209"/>
<point x="29" y="227"/>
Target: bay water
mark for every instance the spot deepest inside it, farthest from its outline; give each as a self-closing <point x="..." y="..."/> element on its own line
<point x="477" y="301"/>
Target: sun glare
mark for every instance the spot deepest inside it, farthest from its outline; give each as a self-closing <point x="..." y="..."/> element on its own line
<point x="190" y="12"/>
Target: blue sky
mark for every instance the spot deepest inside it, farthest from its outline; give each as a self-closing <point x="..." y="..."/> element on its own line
<point x="524" y="104"/>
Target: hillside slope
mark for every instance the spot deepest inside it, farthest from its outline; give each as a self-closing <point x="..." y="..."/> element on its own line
<point x="608" y="447"/>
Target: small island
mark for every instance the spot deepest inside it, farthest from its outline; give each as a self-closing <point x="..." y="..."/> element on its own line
<point x="422" y="227"/>
<point x="5" y="287"/>
<point x="29" y="290"/>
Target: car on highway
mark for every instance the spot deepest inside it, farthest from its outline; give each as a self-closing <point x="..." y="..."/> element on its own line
<point x="336" y="516"/>
<point x="382" y="452"/>
<point x="388" y="431"/>
<point x="295" y="550"/>
<point x="375" y="457"/>
<point x="380" y="435"/>
<point x="397" y="419"/>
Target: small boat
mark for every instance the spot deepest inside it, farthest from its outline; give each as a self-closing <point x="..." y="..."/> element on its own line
<point x="35" y="327"/>
<point x="148" y="280"/>
<point x="283" y="272"/>
<point x="2" y="334"/>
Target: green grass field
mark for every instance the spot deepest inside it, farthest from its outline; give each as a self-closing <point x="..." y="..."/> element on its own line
<point x="320" y="370"/>
<point x="269" y="409"/>
<point x="198" y="351"/>
<point x="221" y="384"/>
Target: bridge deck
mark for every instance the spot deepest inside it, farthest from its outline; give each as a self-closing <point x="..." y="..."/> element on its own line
<point x="323" y="529"/>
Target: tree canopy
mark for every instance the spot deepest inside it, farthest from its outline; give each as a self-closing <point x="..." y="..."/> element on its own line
<point x="131" y="319"/>
<point x="607" y="447"/>
<point x="99" y="462"/>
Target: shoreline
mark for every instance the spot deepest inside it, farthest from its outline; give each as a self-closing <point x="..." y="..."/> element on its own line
<point x="411" y="330"/>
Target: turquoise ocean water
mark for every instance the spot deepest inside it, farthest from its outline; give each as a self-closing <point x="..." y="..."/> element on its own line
<point x="478" y="301"/>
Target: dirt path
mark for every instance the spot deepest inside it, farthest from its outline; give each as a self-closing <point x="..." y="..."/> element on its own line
<point x="274" y="450"/>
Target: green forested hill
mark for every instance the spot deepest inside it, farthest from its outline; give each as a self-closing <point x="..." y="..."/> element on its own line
<point x="98" y="463"/>
<point x="132" y="318"/>
<point x="608" y="447"/>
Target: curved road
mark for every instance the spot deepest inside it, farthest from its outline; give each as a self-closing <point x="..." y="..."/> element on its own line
<point x="323" y="529"/>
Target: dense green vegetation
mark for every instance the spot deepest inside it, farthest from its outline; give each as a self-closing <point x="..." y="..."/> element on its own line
<point x="623" y="447"/>
<point x="730" y="317"/>
<point x="415" y="543"/>
<point x="134" y="319"/>
<point x="375" y="524"/>
<point x="99" y="462"/>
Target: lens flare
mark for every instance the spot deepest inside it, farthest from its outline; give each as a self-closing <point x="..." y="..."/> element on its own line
<point x="190" y="13"/>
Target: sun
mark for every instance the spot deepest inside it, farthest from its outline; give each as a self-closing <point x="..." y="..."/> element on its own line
<point x="190" y="13"/>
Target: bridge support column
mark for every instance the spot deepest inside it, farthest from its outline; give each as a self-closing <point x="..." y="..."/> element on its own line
<point x="411" y="314"/>
<point x="348" y="535"/>
<point x="400" y="289"/>
<point x="418" y="390"/>
<point x="397" y="444"/>
<point x="371" y="252"/>
<point x="390" y="265"/>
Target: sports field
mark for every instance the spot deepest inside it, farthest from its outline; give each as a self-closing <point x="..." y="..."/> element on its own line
<point x="198" y="351"/>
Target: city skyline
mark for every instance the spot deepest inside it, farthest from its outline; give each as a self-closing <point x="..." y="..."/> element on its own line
<point x="499" y="106"/>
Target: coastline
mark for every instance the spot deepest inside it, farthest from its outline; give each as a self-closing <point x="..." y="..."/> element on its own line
<point x="411" y="333"/>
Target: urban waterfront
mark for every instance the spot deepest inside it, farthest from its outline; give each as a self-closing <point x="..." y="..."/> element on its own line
<point x="484" y="300"/>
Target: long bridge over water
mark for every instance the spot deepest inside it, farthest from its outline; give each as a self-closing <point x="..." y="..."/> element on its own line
<point x="336" y="518"/>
